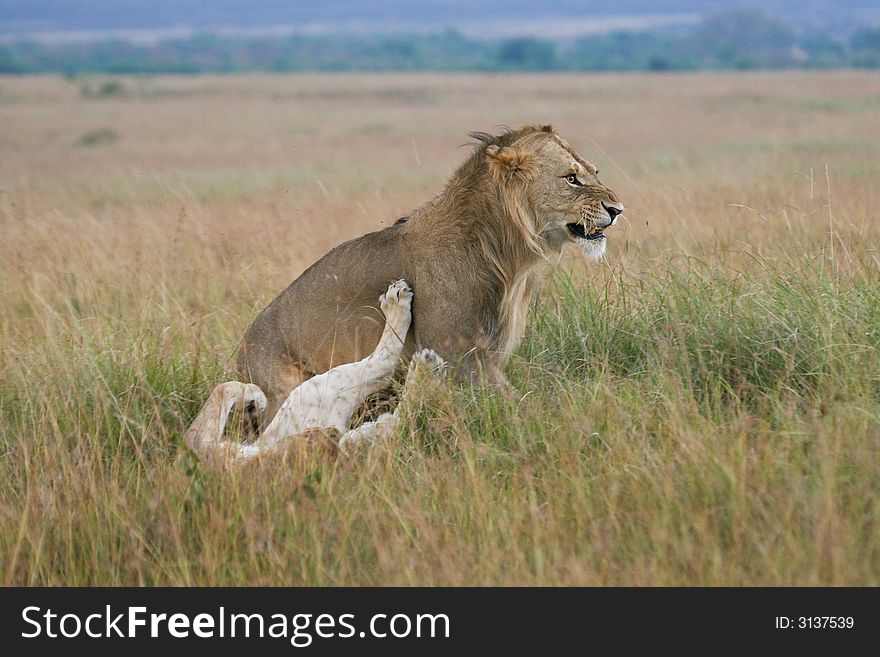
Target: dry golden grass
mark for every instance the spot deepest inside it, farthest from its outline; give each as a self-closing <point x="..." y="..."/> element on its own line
<point x="701" y="408"/>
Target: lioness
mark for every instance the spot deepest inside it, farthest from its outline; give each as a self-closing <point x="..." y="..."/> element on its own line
<point x="471" y="255"/>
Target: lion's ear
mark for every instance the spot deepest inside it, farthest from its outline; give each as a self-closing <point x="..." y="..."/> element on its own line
<point x="509" y="164"/>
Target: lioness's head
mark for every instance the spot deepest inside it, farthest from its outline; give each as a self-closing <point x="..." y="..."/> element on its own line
<point x="561" y="192"/>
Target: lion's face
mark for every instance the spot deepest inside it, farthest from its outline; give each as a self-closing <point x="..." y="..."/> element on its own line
<point x="570" y="205"/>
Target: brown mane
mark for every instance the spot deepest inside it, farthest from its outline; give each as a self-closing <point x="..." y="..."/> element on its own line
<point x="499" y="218"/>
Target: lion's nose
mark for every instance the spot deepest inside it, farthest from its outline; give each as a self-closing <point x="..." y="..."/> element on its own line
<point x="612" y="211"/>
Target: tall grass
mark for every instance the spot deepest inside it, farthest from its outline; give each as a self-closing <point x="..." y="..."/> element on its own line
<point x="692" y="429"/>
<point x="703" y="408"/>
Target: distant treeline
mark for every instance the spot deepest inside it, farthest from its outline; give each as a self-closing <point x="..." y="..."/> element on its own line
<point x="742" y="39"/>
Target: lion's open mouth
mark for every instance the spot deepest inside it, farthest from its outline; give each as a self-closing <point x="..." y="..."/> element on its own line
<point x="579" y="231"/>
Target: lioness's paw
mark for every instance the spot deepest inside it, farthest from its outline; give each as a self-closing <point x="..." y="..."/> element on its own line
<point x="430" y="360"/>
<point x="425" y="365"/>
<point x="399" y="294"/>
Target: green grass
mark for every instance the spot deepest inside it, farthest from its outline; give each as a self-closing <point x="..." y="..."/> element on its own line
<point x="689" y="426"/>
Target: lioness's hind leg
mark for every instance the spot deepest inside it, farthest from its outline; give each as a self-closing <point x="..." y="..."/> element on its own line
<point x="370" y="432"/>
<point x="426" y="365"/>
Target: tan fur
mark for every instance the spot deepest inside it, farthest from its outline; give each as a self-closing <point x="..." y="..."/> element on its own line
<point x="472" y="254"/>
<point x="514" y="310"/>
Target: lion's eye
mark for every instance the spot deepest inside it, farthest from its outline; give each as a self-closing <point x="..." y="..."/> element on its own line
<point x="572" y="179"/>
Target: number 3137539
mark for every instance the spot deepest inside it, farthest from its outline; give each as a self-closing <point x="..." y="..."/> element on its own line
<point x="815" y="622"/>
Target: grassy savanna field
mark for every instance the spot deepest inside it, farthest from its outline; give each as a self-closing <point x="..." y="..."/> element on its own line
<point x="703" y="407"/>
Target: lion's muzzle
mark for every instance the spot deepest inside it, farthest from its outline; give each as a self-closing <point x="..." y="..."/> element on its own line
<point x="613" y="210"/>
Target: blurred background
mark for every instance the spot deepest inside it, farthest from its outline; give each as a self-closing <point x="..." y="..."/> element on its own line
<point x="192" y="36"/>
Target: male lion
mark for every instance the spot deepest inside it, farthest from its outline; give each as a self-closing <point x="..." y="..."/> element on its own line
<point x="471" y="255"/>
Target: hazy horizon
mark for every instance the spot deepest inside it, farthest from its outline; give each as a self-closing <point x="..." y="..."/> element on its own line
<point x="155" y="19"/>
